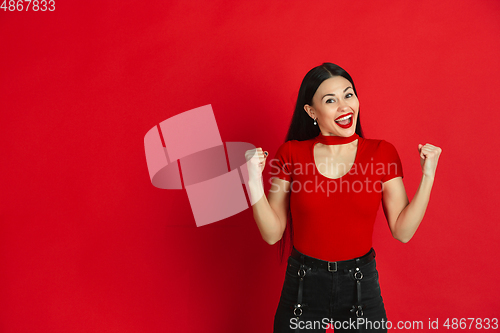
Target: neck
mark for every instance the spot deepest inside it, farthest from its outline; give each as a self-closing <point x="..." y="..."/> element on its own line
<point x="336" y="140"/>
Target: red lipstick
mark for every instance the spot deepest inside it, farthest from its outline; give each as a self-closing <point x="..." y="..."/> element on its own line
<point x="346" y="123"/>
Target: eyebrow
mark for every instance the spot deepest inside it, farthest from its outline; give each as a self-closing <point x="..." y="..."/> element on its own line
<point x="334" y="94"/>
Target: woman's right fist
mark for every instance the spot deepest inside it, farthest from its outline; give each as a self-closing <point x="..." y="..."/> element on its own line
<point x="256" y="161"/>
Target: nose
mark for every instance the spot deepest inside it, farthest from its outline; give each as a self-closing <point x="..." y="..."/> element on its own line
<point x="343" y="106"/>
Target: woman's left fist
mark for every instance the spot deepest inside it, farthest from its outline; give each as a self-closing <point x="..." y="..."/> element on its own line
<point x="429" y="156"/>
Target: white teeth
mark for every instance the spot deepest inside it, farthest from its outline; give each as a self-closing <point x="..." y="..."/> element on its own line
<point x="346" y="117"/>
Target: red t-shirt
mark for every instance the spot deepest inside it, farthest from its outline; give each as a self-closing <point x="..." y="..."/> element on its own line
<point x="333" y="218"/>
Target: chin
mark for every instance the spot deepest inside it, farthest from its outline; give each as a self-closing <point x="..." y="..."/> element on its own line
<point x="349" y="131"/>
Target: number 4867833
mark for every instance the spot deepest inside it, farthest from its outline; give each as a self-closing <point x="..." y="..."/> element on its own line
<point x="26" y="5"/>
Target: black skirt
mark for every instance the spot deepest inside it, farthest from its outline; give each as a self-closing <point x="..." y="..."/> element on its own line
<point x="317" y="295"/>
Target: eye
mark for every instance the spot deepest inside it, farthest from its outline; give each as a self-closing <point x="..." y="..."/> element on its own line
<point x="349" y="95"/>
<point x="330" y="100"/>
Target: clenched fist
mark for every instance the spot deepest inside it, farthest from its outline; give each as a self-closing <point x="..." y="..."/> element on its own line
<point x="429" y="156"/>
<point x="256" y="162"/>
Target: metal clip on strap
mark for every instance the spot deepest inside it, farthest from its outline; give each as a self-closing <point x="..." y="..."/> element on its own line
<point x="358" y="308"/>
<point x="297" y="310"/>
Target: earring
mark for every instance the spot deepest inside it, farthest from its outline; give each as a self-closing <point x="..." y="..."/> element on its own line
<point x="315" y="123"/>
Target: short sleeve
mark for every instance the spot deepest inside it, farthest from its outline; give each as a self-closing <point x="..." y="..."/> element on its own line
<point x="281" y="164"/>
<point x="391" y="162"/>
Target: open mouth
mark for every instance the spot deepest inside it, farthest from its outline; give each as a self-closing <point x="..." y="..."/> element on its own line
<point x="345" y="121"/>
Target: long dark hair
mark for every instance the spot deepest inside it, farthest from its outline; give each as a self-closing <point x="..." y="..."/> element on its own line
<point x="302" y="127"/>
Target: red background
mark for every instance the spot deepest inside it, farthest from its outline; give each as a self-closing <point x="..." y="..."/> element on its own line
<point x="87" y="244"/>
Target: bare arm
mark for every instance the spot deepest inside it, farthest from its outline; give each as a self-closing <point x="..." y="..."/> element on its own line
<point x="403" y="216"/>
<point x="269" y="212"/>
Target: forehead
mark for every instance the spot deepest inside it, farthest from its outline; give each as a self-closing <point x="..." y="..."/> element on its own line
<point x="333" y="85"/>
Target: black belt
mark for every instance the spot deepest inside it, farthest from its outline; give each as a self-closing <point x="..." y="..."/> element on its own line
<point x="334" y="266"/>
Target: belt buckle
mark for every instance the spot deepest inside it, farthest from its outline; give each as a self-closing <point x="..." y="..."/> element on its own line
<point x="330" y="264"/>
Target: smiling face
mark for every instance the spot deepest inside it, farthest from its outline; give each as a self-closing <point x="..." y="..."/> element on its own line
<point x="331" y="106"/>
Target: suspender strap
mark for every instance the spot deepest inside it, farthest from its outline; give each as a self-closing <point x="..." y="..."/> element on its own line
<point x="297" y="308"/>
<point x="358" y="307"/>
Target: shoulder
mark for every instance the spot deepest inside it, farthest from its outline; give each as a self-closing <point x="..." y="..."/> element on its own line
<point x="286" y="146"/>
<point x="293" y="150"/>
<point x="385" y="152"/>
<point x="378" y="144"/>
<point x="387" y="146"/>
<point x="301" y="148"/>
<point x="294" y="145"/>
<point x="284" y="149"/>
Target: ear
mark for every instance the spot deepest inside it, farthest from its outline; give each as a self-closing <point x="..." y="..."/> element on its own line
<point x="310" y="111"/>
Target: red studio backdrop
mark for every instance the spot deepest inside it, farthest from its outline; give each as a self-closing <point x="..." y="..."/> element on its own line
<point x="88" y="244"/>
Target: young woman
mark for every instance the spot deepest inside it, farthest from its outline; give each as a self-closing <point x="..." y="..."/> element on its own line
<point x="327" y="183"/>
